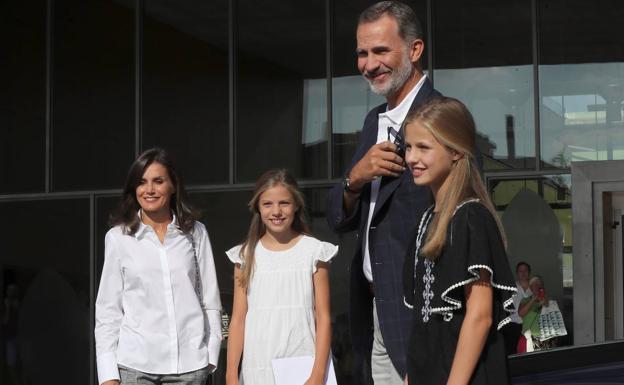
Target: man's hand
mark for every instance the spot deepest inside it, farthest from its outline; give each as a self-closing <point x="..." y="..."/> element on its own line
<point x="111" y="382"/>
<point x="380" y="160"/>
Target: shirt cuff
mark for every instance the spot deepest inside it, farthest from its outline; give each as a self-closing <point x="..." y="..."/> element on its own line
<point x="107" y="367"/>
<point x="214" y="338"/>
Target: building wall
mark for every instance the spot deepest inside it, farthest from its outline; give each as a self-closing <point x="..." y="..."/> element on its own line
<point x="233" y="88"/>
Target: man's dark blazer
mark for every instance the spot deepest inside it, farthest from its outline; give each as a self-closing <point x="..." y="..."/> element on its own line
<point x="399" y="205"/>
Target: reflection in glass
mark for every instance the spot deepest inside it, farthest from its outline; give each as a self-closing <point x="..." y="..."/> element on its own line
<point x="44" y="284"/>
<point x="185" y="85"/>
<point x="581" y="81"/>
<point x="581" y="112"/>
<point x="22" y="100"/>
<point x="93" y="98"/>
<point x="352" y="99"/>
<point x="281" y="89"/>
<point x="501" y="102"/>
<point x="491" y="73"/>
<point x="537" y="217"/>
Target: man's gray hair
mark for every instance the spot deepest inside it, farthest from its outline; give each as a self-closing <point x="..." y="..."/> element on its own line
<point x="410" y="28"/>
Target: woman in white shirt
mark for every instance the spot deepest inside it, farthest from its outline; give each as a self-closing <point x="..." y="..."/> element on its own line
<point x="157" y="315"/>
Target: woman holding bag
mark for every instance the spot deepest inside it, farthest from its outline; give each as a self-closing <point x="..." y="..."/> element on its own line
<point x="531" y="309"/>
<point x="158" y="308"/>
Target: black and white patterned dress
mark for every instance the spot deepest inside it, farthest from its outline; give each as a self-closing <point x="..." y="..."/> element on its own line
<point x="435" y="292"/>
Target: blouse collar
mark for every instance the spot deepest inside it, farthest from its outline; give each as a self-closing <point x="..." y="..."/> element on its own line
<point x="143" y="228"/>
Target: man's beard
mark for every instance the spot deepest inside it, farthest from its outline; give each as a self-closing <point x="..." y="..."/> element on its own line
<point x="398" y="77"/>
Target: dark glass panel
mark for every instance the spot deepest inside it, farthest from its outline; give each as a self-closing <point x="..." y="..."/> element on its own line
<point x="93" y="94"/>
<point x="185" y="85"/>
<point x="226" y="217"/>
<point x="104" y="207"/>
<point x="581" y="81"/>
<point x="281" y="89"/>
<point x="44" y="275"/>
<point x="316" y="203"/>
<point x="577" y="31"/>
<point x="22" y="100"/>
<point x="483" y="56"/>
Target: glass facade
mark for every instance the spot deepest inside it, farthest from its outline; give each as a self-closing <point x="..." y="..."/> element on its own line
<point x="92" y="97"/>
<point x="23" y="101"/>
<point x="184" y="86"/>
<point x="491" y="73"/>
<point x="47" y="297"/>
<point x="581" y="75"/>
<point x="281" y="107"/>
<point x="233" y="88"/>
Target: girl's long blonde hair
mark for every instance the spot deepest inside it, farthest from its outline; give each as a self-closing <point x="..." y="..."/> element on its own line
<point x="271" y="178"/>
<point x="452" y="125"/>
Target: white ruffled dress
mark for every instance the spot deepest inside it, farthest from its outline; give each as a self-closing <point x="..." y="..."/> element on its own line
<point x="280" y="306"/>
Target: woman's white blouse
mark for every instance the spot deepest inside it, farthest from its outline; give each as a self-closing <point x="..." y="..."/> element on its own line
<point x="148" y="315"/>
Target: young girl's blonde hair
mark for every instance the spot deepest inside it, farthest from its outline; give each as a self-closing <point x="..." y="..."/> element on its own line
<point x="452" y="125"/>
<point x="271" y="178"/>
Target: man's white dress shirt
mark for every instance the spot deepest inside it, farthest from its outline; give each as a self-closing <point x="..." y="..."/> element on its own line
<point x="392" y="118"/>
<point x="148" y="315"/>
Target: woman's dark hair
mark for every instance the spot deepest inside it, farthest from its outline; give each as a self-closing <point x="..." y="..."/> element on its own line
<point x="126" y="212"/>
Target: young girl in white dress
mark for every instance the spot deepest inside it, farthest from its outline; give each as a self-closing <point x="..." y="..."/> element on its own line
<point x="281" y="287"/>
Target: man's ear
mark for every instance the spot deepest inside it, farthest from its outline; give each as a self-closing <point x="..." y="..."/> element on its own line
<point x="417" y="47"/>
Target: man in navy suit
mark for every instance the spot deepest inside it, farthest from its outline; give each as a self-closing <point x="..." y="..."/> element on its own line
<point x="378" y="197"/>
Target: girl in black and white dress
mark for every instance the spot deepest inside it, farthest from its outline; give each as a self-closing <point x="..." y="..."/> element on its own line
<point x="457" y="277"/>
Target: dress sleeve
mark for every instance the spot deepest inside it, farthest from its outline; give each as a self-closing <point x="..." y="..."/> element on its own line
<point x="211" y="299"/>
<point x="109" y="311"/>
<point x="475" y="243"/>
<point x="325" y="252"/>
<point x="234" y="255"/>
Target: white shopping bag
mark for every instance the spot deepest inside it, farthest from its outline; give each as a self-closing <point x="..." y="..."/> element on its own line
<point x="551" y="322"/>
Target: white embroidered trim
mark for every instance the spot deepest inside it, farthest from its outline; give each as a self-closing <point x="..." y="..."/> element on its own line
<point x="422" y="227"/>
<point x="447" y="311"/>
<point x="428" y="280"/>
<point x="459" y="206"/>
